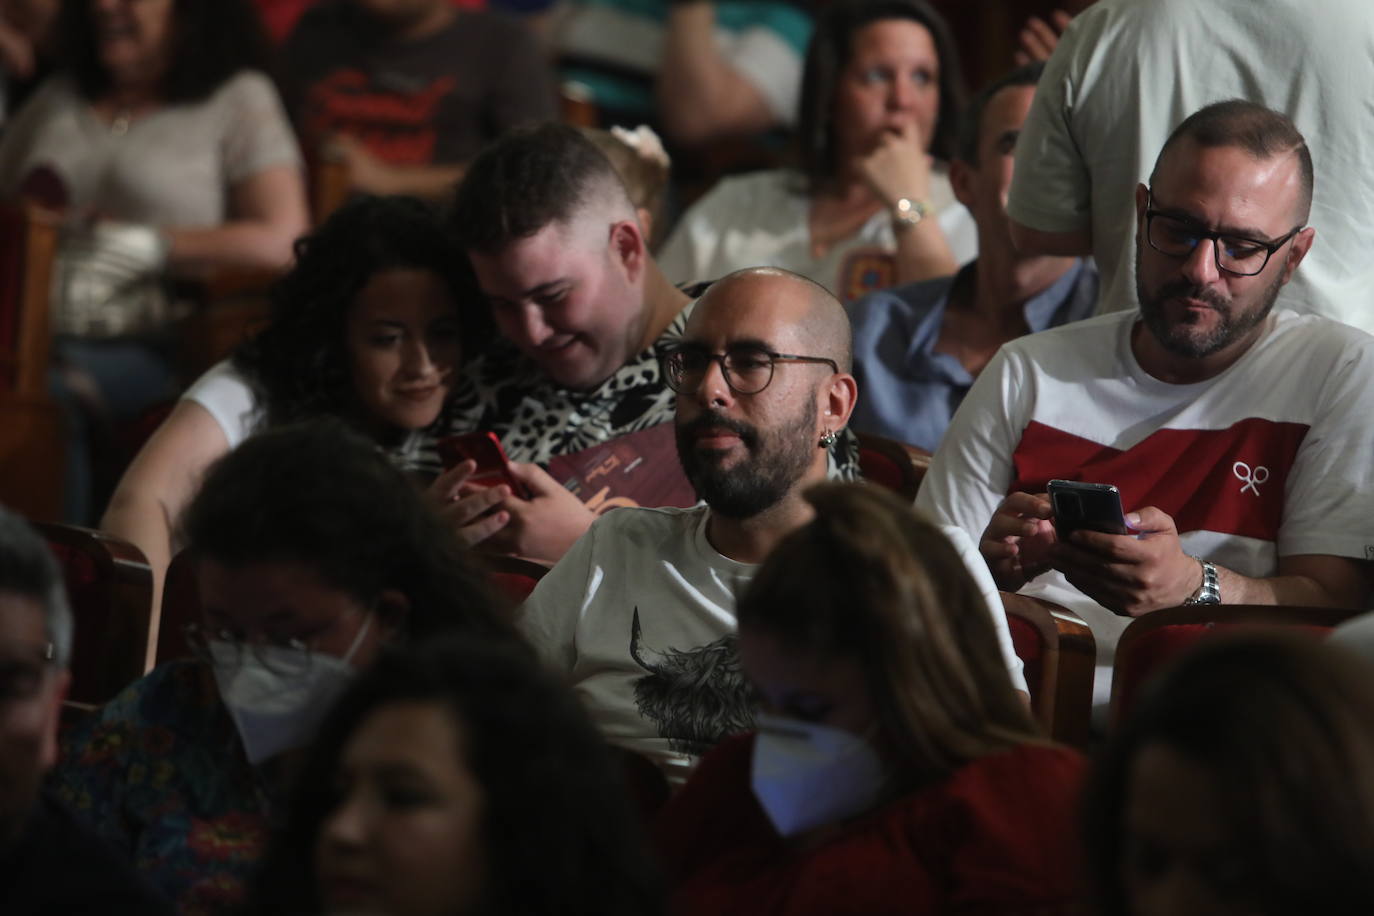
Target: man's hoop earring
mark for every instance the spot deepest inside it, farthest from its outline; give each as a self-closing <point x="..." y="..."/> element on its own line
<point x="829" y="438"/>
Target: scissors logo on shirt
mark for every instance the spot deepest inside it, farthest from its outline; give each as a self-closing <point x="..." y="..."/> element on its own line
<point x="1249" y="479"/>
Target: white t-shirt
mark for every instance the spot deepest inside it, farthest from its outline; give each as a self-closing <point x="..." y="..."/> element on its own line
<point x="763" y="220"/>
<point x="639" y="616"/>
<point x="1127" y="72"/>
<point x="226" y="394"/>
<point x="1273" y="457"/>
<point x="174" y="167"/>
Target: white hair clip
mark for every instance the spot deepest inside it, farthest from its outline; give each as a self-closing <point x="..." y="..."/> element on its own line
<point x="644" y="142"/>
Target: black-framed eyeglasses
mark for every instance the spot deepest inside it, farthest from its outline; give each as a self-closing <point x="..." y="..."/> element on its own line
<point x="1235" y="254"/>
<point x="746" y="369"/>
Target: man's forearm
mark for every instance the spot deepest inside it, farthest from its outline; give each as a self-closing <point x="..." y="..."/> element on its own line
<point x="1300" y="591"/>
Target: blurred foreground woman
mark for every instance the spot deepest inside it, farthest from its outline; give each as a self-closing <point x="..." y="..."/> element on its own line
<point x="1241" y="784"/>
<point x="460" y="779"/>
<point x="895" y="769"/>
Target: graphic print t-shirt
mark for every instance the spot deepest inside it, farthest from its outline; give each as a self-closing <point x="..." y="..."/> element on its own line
<point x="639" y="617"/>
<point x="433" y="100"/>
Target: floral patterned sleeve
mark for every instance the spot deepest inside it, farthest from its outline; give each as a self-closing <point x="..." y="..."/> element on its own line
<point x="160" y="772"/>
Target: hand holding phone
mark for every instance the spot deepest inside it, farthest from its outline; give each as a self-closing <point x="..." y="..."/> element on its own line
<point x="1092" y="506"/>
<point x="483" y="449"/>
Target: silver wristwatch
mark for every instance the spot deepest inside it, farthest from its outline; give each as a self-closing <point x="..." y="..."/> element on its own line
<point x="1209" y="592"/>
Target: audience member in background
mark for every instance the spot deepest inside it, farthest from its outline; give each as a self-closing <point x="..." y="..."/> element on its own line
<point x="640" y="615"/>
<point x="872" y="205"/>
<point x="643" y="165"/>
<point x="460" y="778"/>
<point x="172" y="155"/>
<point x="1126" y="72"/>
<point x="1245" y="479"/>
<point x="408" y="92"/>
<point x="583" y="309"/>
<point x="918" y="348"/>
<point x="369" y="326"/>
<point x="27" y="38"/>
<point x="49" y="863"/>
<point x="1240" y="783"/>
<point x="894" y="768"/>
<point x="279" y="17"/>
<point x="700" y="71"/>
<point x="310" y="552"/>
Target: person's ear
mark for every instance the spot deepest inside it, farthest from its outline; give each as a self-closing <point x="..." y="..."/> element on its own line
<point x="1297" y="250"/>
<point x="62" y="682"/>
<point x="628" y="249"/>
<point x="961" y="178"/>
<point x="393" y="614"/>
<point x="1142" y="201"/>
<point x="838" y="400"/>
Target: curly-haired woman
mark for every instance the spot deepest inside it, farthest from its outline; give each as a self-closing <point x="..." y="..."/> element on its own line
<point x="366" y="327"/>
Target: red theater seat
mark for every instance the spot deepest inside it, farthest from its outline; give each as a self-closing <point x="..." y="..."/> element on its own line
<point x="1059" y="655"/>
<point x="895" y="465"/>
<point x="110" y="589"/>
<point x="513" y="577"/>
<point x="1151" y="641"/>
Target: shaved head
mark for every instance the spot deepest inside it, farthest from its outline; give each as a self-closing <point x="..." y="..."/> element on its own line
<point x="810" y="311"/>
<point x="746" y="452"/>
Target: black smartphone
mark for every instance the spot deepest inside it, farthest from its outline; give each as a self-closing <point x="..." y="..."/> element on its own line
<point x="1094" y="506"/>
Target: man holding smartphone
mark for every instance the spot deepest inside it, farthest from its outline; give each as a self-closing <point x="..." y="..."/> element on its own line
<point x="1239" y="436"/>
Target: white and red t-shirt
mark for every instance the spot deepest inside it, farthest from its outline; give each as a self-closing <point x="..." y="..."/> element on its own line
<point x="1272" y="457"/>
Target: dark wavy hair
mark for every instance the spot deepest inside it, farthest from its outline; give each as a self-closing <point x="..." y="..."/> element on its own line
<point x="211" y="41"/>
<point x="299" y="364"/>
<point x="559" y="831"/>
<point x="869" y="579"/>
<point x="1281" y="724"/>
<point x="322" y="497"/>
<point x="828" y="55"/>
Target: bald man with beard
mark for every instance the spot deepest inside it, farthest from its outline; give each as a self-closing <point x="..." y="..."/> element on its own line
<point x="639" y="615"/>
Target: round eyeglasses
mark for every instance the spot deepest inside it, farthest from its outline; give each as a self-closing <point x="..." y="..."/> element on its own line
<point x="224" y="648"/>
<point x="746" y="369"/>
<point x="1177" y="237"/>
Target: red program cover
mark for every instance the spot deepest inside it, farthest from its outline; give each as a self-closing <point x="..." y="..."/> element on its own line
<point x="640" y="469"/>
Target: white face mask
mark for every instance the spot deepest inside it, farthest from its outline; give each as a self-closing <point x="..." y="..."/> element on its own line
<point x="806" y="775"/>
<point x="273" y="710"/>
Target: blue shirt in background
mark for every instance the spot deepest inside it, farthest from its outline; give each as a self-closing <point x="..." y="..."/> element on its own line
<point x="907" y="391"/>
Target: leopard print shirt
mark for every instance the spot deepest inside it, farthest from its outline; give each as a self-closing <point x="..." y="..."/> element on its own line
<point x="537" y="419"/>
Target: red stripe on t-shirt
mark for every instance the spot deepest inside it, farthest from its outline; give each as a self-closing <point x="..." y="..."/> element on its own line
<point x="1228" y="480"/>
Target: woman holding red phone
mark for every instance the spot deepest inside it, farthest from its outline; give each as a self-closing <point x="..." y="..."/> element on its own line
<point x="369" y="326"/>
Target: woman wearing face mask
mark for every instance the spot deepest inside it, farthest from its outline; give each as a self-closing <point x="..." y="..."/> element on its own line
<point x="311" y="552"/>
<point x="894" y="770"/>
<point x="419" y="797"/>
<point x="369" y="326"/>
<point x="870" y="205"/>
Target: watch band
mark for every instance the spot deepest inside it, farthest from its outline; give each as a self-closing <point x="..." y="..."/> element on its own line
<point x="1209" y="592"/>
<point x="907" y="213"/>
